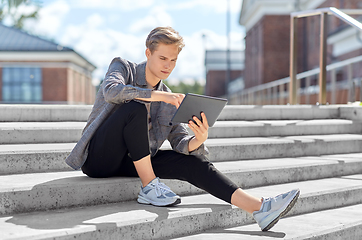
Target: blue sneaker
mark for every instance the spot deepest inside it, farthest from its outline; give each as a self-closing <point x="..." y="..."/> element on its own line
<point x="158" y="194"/>
<point x="272" y="209"/>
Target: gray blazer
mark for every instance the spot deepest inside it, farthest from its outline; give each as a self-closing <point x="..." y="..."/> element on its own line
<point x="125" y="81"/>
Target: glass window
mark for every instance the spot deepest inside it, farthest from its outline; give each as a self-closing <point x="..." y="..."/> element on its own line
<point x="22" y="84"/>
<point x="6" y="74"/>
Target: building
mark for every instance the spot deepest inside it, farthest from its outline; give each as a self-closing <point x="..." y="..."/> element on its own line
<point x="34" y="70"/>
<point x="267" y="42"/>
<point x="216" y="71"/>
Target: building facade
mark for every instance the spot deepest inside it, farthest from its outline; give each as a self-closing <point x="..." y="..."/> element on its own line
<point x="216" y="66"/>
<point x="34" y="70"/>
<point x="267" y="52"/>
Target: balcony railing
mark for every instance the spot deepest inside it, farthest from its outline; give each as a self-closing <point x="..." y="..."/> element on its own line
<point x="275" y="92"/>
<point x="323" y="12"/>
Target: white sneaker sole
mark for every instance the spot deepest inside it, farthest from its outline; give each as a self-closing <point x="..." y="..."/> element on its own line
<point x="274" y="217"/>
<point x="143" y="200"/>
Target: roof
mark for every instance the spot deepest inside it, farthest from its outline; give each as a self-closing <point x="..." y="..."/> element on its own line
<point x="15" y="40"/>
<point x="12" y="39"/>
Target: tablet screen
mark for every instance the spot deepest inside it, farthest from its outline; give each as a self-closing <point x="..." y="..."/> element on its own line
<point x="194" y="104"/>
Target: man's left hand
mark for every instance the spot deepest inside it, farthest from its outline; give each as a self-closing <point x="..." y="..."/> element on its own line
<point x="200" y="128"/>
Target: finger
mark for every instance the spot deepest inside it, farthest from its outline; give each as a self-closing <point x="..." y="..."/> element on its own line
<point x="201" y="125"/>
<point x="193" y="127"/>
<point x="204" y="120"/>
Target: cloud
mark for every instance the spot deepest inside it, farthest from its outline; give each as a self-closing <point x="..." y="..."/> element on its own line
<point x="97" y="40"/>
<point x="219" y="6"/>
<point x="156" y="17"/>
<point x="100" y="44"/>
<point x="50" y="19"/>
<point x="124" y="5"/>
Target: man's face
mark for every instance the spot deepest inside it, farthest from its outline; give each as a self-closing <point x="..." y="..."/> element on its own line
<point x="161" y="62"/>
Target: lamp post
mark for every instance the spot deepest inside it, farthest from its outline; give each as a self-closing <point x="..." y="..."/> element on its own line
<point x="227" y="80"/>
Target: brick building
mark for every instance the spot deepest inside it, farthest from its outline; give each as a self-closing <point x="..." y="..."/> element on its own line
<point x="267" y="41"/>
<point x="216" y="67"/>
<point x="34" y="70"/>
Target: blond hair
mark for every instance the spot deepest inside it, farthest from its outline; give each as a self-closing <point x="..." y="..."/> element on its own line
<point x="165" y="35"/>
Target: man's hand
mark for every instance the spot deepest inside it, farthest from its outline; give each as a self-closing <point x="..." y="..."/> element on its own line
<point x="167" y="97"/>
<point x="173" y="98"/>
<point x="200" y="129"/>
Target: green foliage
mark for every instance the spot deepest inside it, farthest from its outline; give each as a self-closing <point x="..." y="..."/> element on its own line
<point x="196" y="88"/>
<point x="10" y="8"/>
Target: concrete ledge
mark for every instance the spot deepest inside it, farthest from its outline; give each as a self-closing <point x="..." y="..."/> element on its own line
<point x="280" y="112"/>
<point x="44" y="191"/>
<point x="44" y="113"/>
<point x="68" y="132"/>
<point x="50" y="157"/>
<point x="267" y="128"/>
<point x="335" y="224"/>
<point x="278" y="147"/>
<point x="352" y="113"/>
<point x="50" y="113"/>
<point x="40" y="132"/>
<point x="196" y="213"/>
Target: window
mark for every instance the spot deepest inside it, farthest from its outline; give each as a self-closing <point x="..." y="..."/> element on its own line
<point x="22" y="84"/>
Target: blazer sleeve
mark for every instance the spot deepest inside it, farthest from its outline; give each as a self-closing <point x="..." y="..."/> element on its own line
<point x="118" y="85"/>
<point x="180" y="138"/>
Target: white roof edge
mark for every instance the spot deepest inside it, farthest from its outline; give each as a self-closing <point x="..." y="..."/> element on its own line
<point x="35" y="56"/>
<point x="249" y="17"/>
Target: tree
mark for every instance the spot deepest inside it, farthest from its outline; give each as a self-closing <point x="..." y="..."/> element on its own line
<point x="10" y="9"/>
<point x="182" y="87"/>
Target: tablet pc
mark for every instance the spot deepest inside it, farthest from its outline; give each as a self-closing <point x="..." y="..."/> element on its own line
<point x="193" y="105"/>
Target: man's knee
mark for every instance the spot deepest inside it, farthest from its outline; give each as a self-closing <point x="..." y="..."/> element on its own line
<point x="133" y="108"/>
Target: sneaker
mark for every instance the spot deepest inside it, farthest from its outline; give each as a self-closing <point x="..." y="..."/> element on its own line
<point x="158" y="194"/>
<point x="272" y="209"/>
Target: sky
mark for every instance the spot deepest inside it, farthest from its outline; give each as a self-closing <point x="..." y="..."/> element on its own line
<point x="100" y="30"/>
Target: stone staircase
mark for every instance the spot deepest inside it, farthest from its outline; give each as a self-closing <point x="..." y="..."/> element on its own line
<point x="267" y="150"/>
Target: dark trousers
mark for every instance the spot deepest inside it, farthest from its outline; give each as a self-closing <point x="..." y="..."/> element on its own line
<point x="123" y="138"/>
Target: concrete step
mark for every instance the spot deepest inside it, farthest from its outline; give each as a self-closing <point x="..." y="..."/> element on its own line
<point x="266" y="128"/>
<point x="130" y="220"/>
<point x="40" y="132"/>
<point x="281" y="112"/>
<point x="57" y="113"/>
<point x="334" y="224"/>
<point x="44" y="113"/>
<point x="67" y="132"/>
<point x="26" y="158"/>
<point x="278" y="147"/>
<point x="56" y="190"/>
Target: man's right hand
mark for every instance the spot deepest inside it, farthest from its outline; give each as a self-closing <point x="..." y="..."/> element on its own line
<point x="174" y="98"/>
<point x="167" y="97"/>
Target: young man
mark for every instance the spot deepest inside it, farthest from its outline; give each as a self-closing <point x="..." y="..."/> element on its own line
<point x="130" y="121"/>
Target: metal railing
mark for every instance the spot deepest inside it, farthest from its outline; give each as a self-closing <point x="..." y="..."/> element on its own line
<point x="275" y="91"/>
<point x="323" y="12"/>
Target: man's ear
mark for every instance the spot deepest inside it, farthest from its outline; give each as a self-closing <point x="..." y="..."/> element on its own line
<point x="148" y="53"/>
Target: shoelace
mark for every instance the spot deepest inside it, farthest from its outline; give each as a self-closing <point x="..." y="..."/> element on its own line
<point x="161" y="188"/>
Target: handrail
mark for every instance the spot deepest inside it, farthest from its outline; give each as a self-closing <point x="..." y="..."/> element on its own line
<point x="323" y="12"/>
<point x="341" y="14"/>
<point x="302" y="75"/>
